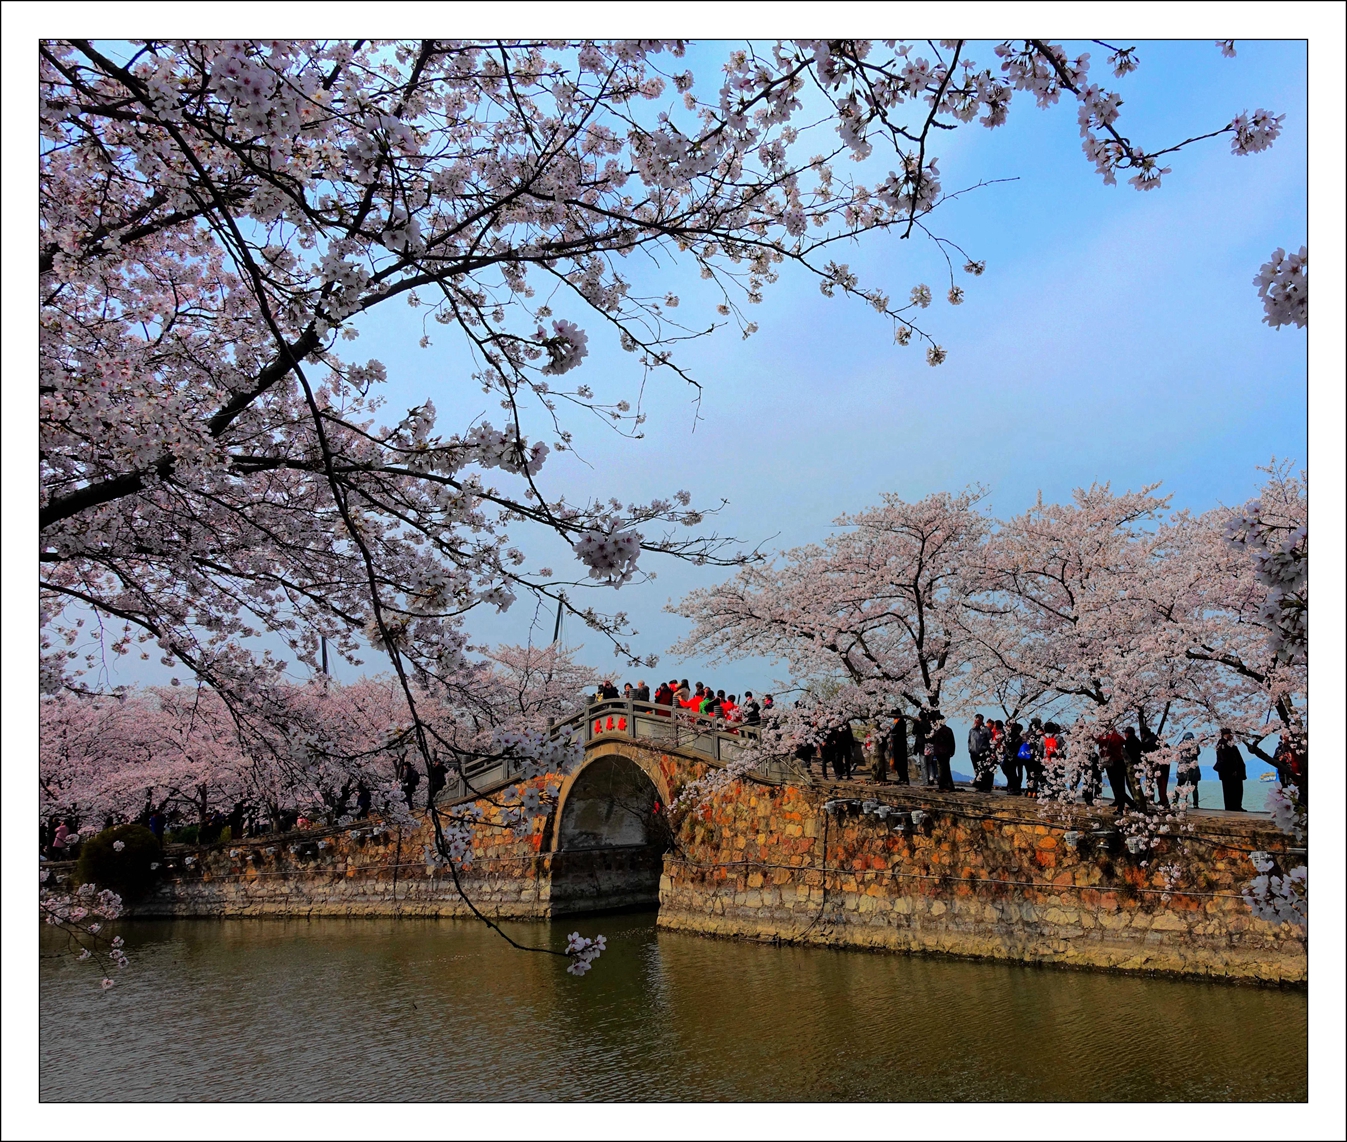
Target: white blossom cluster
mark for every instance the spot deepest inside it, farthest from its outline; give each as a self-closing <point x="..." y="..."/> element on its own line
<point x="1277" y="544"/>
<point x="82" y="915"/>
<point x="610" y="555"/>
<point x="1287" y="812"/>
<point x="1279" y="898"/>
<point x="1254" y="133"/>
<point x="567" y="347"/>
<point x="705" y="788"/>
<point x="1284" y="285"/>
<point x="584" y="951"/>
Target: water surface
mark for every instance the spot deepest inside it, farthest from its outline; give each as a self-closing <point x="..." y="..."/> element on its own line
<point x="443" y="1010"/>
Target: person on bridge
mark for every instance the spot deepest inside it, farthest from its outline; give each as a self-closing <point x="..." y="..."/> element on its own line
<point x="752" y="711"/>
<point x="897" y="740"/>
<point x="1150" y="745"/>
<point x="832" y="754"/>
<point x="1011" y="765"/>
<point x="1087" y="776"/>
<point x="1230" y="769"/>
<point x="664" y="695"/>
<point x="439" y="774"/>
<point x="1190" y="768"/>
<point x="804" y="753"/>
<point x="730" y="710"/>
<point x="1033" y="758"/>
<point x="642" y="691"/>
<point x="1054" y="757"/>
<point x="1115" y="765"/>
<point x="979" y="753"/>
<point x="942" y="737"/>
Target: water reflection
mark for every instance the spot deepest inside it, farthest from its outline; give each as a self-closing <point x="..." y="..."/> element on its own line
<point x="443" y="1010"/>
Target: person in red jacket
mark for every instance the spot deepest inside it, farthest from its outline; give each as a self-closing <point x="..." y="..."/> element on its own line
<point x="1115" y="765"/>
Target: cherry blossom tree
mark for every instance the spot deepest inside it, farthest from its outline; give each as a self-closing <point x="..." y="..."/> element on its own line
<point x="1248" y="619"/>
<point x="1068" y="589"/>
<point x="877" y="608"/>
<point x="183" y="751"/>
<point x="119" y="757"/>
<point x="218" y="217"/>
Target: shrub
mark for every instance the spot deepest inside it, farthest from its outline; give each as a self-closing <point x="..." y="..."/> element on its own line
<point x="126" y="871"/>
<point x="184" y="836"/>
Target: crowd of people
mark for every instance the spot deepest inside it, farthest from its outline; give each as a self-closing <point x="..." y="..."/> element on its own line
<point x="1032" y="757"/>
<point x="1033" y="760"/>
<point x="701" y="700"/>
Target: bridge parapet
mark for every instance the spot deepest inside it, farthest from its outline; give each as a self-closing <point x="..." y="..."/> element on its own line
<point x="665" y="727"/>
<point x="662" y="727"/>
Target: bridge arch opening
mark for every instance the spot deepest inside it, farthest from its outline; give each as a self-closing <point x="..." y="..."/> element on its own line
<point x="611" y="839"/>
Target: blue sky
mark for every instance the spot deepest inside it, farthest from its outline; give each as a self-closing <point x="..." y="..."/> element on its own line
<point x="1115" y="336"/>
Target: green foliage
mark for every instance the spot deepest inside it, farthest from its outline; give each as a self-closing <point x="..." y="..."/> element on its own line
<point x="184" y="836"/>
<point x="127" y="871"/>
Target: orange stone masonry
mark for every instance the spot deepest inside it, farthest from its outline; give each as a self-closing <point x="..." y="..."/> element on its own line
<point x="982" y="876"/>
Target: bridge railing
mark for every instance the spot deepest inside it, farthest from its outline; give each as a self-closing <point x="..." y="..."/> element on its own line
<point x="715" y="739"/>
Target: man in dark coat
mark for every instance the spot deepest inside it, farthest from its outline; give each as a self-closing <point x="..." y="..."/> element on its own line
<point x="1230" y="769"/>
<point x="846" y="750"/>
<point x="943" y="740"/>
<point x="898" y="749"/>
<point x="1011" y="765"/>
<point x="1135" y="754"/>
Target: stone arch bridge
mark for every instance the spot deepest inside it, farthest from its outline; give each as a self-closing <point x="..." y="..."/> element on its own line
<point x="776" y="855"/>
<point x="607" y="838"/>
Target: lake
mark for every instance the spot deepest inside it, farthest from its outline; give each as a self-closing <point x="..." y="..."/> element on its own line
<point x="444" y="1010"/>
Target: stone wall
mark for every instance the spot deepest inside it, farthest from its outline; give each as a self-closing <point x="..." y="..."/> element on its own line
<point x="371" y="870"/>
<point x="367" y="870"/>
<point x="982" y="876"/>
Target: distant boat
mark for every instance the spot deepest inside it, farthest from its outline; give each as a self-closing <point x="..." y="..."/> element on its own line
<point x="1268" y="776"/>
